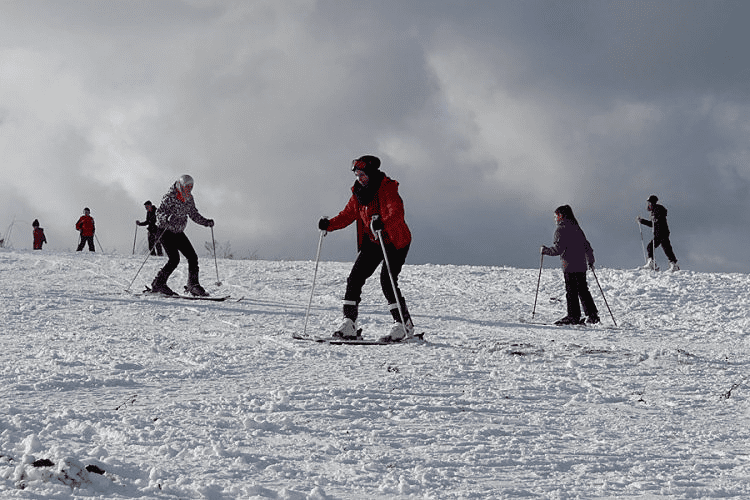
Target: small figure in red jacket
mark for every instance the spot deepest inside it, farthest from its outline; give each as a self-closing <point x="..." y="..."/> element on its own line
<point x="374" y="194"/>
<point x="85" y="226"/>
<point x="39" y="237"/>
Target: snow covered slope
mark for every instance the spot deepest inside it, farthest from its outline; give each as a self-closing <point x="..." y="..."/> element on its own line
<point x="147" y="397"/>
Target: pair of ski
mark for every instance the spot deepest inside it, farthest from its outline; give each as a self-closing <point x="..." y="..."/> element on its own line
<point x="221" y="298"/>
<point x="359" y="340"/>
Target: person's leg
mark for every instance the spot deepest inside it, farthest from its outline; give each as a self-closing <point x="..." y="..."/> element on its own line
<point x="152" y="243"/>
<point x="587" y="301"/>
<point x="173" y="259"/>
<point x="667" y="246"/>
<point x="571" y="295"/>
<point x="396" y="259"/>
<point x="367" y="261"/>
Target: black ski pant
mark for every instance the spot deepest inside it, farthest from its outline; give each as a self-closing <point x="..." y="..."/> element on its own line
<point x="154" y="242"/>
<point x="368" y="259"/>
<point x="174" y="245"/>
<point x="665" y="244"/>
<point x="84" y="240"/>
<point x="577" y="287"/>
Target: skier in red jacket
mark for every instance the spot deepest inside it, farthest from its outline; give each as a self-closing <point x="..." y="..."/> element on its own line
<point x="373" y="194"/>
<point x="39" y="238"/>
<point x="85" y="226"/>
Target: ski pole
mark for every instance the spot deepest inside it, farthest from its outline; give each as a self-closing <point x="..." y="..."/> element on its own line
<point x="643" y="246"/>
<point x="539" y="279"/>
<point x="315" y="275"/>
<point x="605" y="298"/>
<point x="148" y="254"/>
<point x="135" y="236"/>
<point x="218" y="282"/>
<point x="100" y="245"/>
<point x="390" y="275"/>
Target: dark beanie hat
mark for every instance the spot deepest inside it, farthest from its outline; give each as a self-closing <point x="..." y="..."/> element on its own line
<point x="35" y="223"/>
<point x="148" y="202"/>
<point x="652" y="199"/>
<point x="372" y="163"/>
<point x="565" y="211"/>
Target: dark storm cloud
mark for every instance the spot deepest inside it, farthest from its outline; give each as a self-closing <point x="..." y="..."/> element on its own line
<point x="490" y="114"/>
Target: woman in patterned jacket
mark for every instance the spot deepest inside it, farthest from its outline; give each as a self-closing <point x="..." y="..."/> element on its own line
<point x="171" y="219"/>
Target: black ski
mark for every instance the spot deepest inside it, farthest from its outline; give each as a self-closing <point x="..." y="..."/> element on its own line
<point x="221" y="298"/>
<point x="359" y="340"/>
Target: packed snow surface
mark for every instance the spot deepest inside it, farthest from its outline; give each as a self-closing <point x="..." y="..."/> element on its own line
<point x="110" y="394"/>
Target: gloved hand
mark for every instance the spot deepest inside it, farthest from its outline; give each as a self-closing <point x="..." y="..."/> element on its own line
<point x="210" y="223"/>
<point x="542" y="249"/>
<point x="376" y="224"/>
<point x="591" y="266"/>
<point x="639" y="218"/>
<point x="323" y="224"/>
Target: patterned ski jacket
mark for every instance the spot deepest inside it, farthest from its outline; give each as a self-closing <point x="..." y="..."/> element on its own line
<point x="384" y="201"/>
<point x="572" y="246"/>
<point x="174" y="211"/>
<point x="86" y="225"/>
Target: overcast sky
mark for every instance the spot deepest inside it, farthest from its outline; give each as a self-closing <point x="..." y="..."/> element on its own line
<point x="489" y="114"/>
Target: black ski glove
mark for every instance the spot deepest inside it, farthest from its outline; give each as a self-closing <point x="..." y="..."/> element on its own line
<point x="323" y="224"/>
<point x="376" y="224"/>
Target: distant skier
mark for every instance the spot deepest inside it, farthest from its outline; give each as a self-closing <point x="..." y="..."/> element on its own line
<point x="171" y="219"/>
<point x="374" y="193"/>
<point x="154" y="243"/>
<point x="658" y="222"/>
<point x="86" y="228"/>
<point x="39" y="238"/>
<point x="576" y="255"/>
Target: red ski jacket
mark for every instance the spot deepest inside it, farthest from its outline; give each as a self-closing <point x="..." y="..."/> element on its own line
<point x="86" y="225"/>
<point x="39" y="238"/>
<point x="388" y="204"/>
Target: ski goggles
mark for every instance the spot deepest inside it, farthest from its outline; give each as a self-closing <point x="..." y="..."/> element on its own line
<point x="358" y="165"/>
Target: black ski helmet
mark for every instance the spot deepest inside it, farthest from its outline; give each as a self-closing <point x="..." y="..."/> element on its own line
<point x="653" y="199"/>
<point x="368" y="163"/>
<point x="35" y="223"/>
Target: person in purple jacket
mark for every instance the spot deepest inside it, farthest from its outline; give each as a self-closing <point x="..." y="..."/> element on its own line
<point x="576" y="255"/>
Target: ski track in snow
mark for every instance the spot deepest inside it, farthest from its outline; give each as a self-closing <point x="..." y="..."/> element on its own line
<point x="178" y="399"/>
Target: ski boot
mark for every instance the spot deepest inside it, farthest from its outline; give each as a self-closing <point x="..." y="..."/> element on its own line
<point x="399" y="332"/>
<point x="673" y="266"/>
<point x="347" y="330"/>
<point x="196" y="290"/>
<point x="651" y="265"/>
<point x="159" y="285"/>
<point x="569" y="320"/>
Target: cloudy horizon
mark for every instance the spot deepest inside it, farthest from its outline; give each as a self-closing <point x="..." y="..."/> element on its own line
<point x="489" y="114"/>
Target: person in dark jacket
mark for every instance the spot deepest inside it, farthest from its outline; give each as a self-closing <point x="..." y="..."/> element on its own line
<point x="171" y="219"/>
<point x="576" y="255"/>
<point x="659" y="224"/>
<point x="87" y="229"/>
<point x="375" y="205"/>
<point x="39" y="238"/>
<point x="154" y="242"/>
